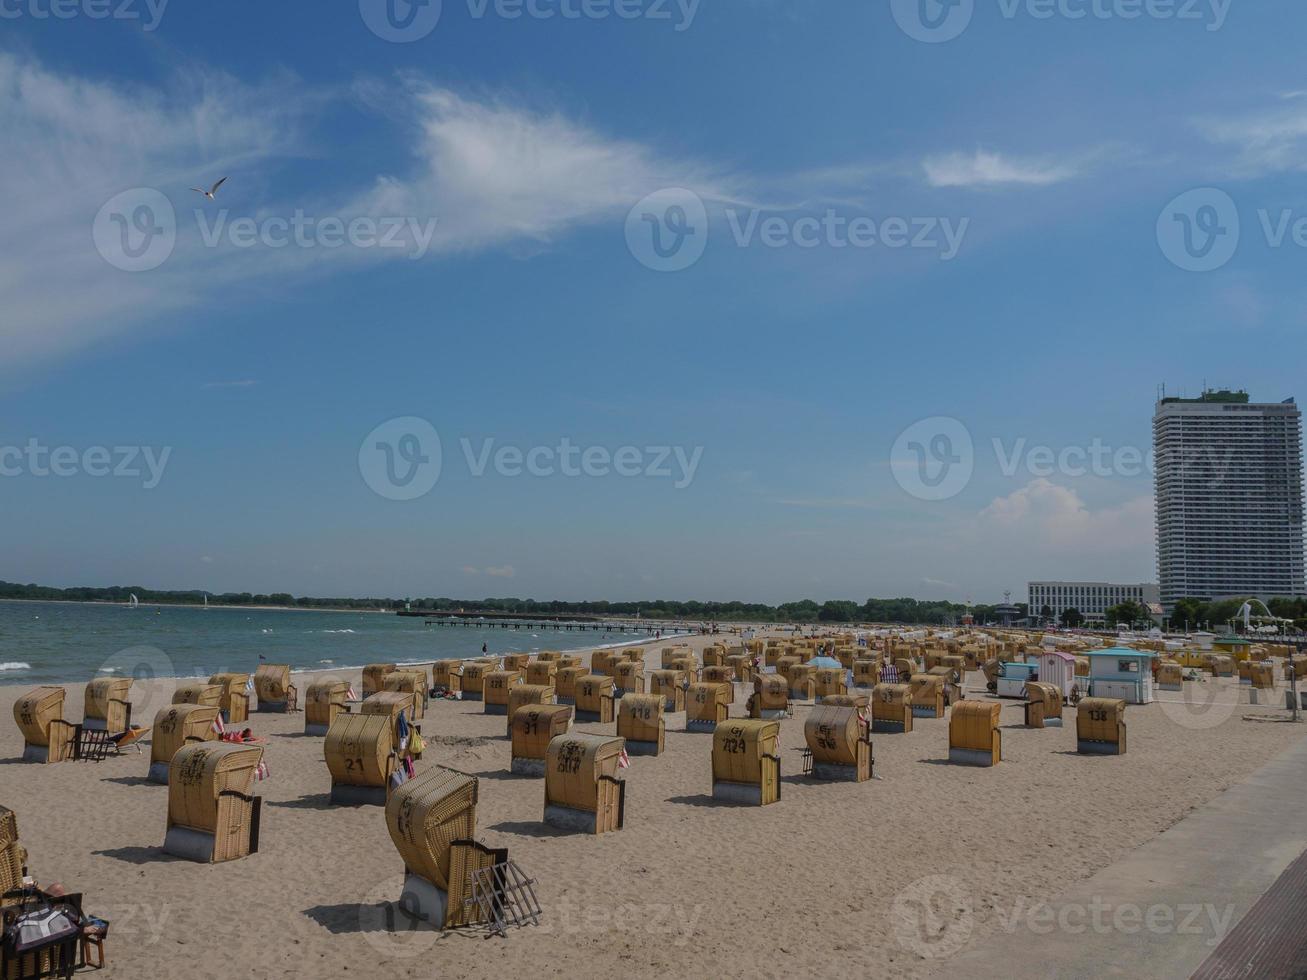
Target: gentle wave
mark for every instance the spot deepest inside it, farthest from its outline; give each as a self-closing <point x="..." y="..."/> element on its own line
<point x="15" y="665"/>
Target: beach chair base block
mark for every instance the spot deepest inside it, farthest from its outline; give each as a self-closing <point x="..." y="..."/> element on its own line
<point x="347" y="795"/>
<point x="472" y="696"/>
<point x="566" y="818"/>
<point x="588" y="716"/>
<point x="36" y="753"/>
<point x="565" y="699"/>
<point x="836" y="773"/>
<point x="773" y="714"/>
<point x="317" y="731"/>
<point x="95" y="725"/>
<point x="422" y="900"/>
<point x="1170" y="687"/>
<point x="158" y="773"/>
<point x="972" y="757"/>
<point x="1098" y="748"/>
<point x="700" y="725"/>
<point x="746" y="793"/>
<point x="883" y="727"/>
<point x="527" y="767"/>
<point x="193" y="845"/>
<point x="923" y="711"/>
<point x="1052" y="722"/>
<point x="641" y="748"/>
<point x="271" y="707"/>
<point x="494" y="709"/>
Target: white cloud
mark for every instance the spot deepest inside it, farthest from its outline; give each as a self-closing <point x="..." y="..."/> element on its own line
<point x="501" y="571"/>
<point x="986" y="169"/>
<point x="493" y="172"/>
<point x="1054" y="517"/>
<point x="1269" y="141"/>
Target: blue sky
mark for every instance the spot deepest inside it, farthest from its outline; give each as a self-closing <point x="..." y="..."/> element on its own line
<point x="1051" y="148"/>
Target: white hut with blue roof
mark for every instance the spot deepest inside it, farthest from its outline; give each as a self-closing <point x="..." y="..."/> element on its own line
<point x="1120" y="672"/>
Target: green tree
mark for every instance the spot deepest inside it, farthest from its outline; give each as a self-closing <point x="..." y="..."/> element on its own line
<point x="1071" y="617"/>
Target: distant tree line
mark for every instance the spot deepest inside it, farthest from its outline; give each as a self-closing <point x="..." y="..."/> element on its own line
<point x="909" y="611"/>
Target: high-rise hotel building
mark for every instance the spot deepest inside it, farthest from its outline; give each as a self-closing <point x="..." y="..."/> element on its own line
<point x="1229" y="497"/>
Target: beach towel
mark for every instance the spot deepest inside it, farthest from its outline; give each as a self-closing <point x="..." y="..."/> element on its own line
<point x="350" y="694"/>
<point x="218" y="726"/>
<point x="401" y="729"/>
<point x="261" y="772"/>
<point x="623" y="760"/>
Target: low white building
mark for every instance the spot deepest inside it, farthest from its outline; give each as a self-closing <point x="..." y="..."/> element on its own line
<point x="1090" y="599"/>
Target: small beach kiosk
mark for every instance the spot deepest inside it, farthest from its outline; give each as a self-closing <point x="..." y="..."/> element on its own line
<point x="1057" y="668"/>
<point x="1121" y="673"/>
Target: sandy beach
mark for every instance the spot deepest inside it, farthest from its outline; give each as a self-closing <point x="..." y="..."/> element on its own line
<point x="815" y="884"/>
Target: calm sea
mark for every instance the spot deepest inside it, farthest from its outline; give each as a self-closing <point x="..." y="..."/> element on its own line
<point x="49" y="642"/>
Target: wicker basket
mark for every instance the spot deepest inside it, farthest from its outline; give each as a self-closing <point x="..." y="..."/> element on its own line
<point x="565" y="683"/>
<point x="1100" y="726"/>
<point x="595" y="694"/>
<point x="1043" y="705"/>
<point x="670" y="686"/>
<point x="46" y="736"/>
<point x="409" y="681"/>
<point x="534" y="726"/>
<point x="520" y="695"/>
<point x="771" y="697"/>
<point x="374" y="678"/>
<point x="106" y="706"/>
<point x="273" y="687"/>
<point x="176" y="726"/>
<point x="707" y="706"/>
<point x="499" y="685"/>
<point x="973" y="735"/>
<point x="746" y="765"/>
<point x="432" y="820"/>
<point x="323" y="701"/>
<point x="891" y="708"/>
<point x="199" y="692"/>
<point x="582" y="791"/>
<point x="235" y="703"/>
<point x="211" y="814"/>
<point x="360" y="754"/>
<point x="640" y="722"/>
<point x="542" y="672"/>
<point x="447" y="675"/>
<point x="628" y="677"/>
<point x="928" y="695"/>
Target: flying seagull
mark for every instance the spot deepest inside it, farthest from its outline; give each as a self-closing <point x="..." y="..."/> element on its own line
<point x="209" y="193"/>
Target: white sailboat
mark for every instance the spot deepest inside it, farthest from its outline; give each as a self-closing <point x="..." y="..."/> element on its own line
<point x="132" y="601"/>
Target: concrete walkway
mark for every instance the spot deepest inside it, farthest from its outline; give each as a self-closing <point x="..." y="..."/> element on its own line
<point x="1162" y="910"/>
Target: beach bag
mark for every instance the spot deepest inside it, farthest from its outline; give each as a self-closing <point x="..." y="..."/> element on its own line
<point x="415" y="744"/>
<point x="43" y="927"/>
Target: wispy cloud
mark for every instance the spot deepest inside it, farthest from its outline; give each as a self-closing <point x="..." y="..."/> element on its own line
<point x="826" y="503"/>
<point x="495" y="172"/>
<point x="1269" y="140"/>
<point x="72" y="144"/>
<point x="983" y="168"/>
